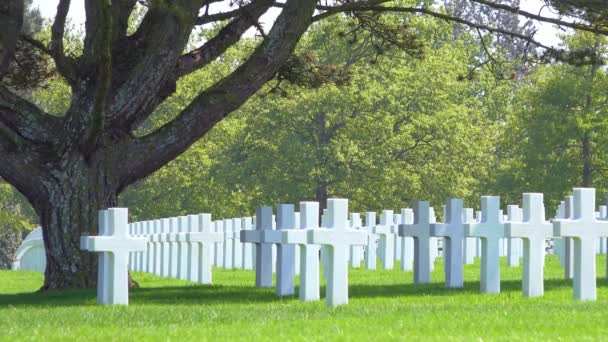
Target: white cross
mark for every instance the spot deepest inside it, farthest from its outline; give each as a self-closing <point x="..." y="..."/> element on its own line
<point x="285" y="252"/>
<point x="150" y="247"/>
<point x="116" y="243"/>
<point x="386" y="231"/>
<point x="453" y="231"/>
<point x="237" y="246"/>
<point x="514" y="214"/>
<point x="261" y="237"/>
<point x="338" y="238"/>
<point x="156" y="245"/>
<point x="490" y="230"/>
<point x="219" y="247"/>
<point x="407" y="243"/>
<point x="356" y="252"/>
<point x="309" y="253"/>
<point x="165" y="248"/>
<point x="420" y="230"/>
<point x="173" y="247"/>
<point x="228" y="244"/>
<point x="584" y="229"/>
<point x="247" y="248"/>
<point x="203" y="236"/>
<point x="558" y="243"/>
<point x="568" y="243"/>
<point x="534" y="230"/>
<point x="182" y="247"/>
<point x="470" y="243"/>
<point x="372" y="240"/>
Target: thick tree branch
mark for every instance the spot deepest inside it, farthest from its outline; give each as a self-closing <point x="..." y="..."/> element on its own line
<point x="85" y="125"/>
<point x="26" y="120"/>
<point x="121" y="11"/>
<point x="228" y="36"/>
<point x="11" y="21"/>
<point x="151" y="152"/>
<point x="66" y="66"/>
<point x="144" y="71"/>
<point x="58" y="28"/>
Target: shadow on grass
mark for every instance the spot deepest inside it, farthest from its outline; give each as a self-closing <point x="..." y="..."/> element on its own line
<point x="221" y="294"/>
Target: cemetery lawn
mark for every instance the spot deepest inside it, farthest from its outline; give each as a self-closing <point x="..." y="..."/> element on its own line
<point x="383" y="305"/>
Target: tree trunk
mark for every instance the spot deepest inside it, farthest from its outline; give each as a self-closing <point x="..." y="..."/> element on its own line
<point x="321" y="196"/>
<point x="587" y="162"/>
<point x="75" y="192"/>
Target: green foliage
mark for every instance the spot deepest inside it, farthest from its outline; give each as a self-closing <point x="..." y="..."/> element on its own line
<point x="557" y="107"/>
<point x="403" y="128"/>
<point x="383" y="305"/>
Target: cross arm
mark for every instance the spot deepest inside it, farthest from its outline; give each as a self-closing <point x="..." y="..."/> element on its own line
<point x="112" y="244"/>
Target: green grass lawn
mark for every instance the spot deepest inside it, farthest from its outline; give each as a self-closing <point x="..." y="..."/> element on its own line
<point x="383" y="305"/>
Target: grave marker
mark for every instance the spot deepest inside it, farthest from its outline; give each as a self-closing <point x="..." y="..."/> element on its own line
<point x="115" y="244"/>
<point x="420" y="230"/>
<point x="583" y="230"/>
<point x="514" y="214"/>
<point x="385" y="230"/>
<point x="309" y="253"/>
<point x="263" y="262"/>
<point x="470" y="243"/>
<point x="202" y="237"/>
<point x="490" y="230"/>
<point x="407" y="243"/>
<point x="453" y="232"/>
<point x="338" y="238"/>
<point x="534" y="231"/>
<point x="285" y="252"/>
<point x="372" y="241"/>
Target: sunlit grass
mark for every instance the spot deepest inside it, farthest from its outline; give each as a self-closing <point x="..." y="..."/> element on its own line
<point x="383" y="305"/>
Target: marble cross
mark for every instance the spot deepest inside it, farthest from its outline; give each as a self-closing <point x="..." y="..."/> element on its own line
<point x="372" y="241"/>
<point x="247" y="248"/>
<point x="534" y="231"/>
<point x="356" y="252"/>
<point x="228" y="244"/>
<point x="165" y="248"/>
<point x="453" y="232"/>
<point x="309" y="253"/>
<point x="202" y="237"/>
<point x="514" y="214"/>
<point x="420" y="230"/>
<point x="297" y="249"/>
<point x="338" y="238"/>
<point x="407" y="243"/>
<point x="386" y="231"/>
<point x="490" y="230"/>
<point x="156" y="245"/>
<point x="263" y="247"/>
<point x="558" y="243"/>
<point x="285" y="252"/>
<point x="183" y="247"/>
<point x="173" y="247"/>
<point x="219" y="247"/>
<point x="115" y="244"/>
<point x="584" y="229"/>
<point x="149" y="267"/>
<point x="237" y="248"/>
<point x="568" y="243"/>
<point x="470" y="243"/>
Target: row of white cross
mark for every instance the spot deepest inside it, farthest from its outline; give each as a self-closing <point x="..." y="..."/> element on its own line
<point x="338" y="242"/>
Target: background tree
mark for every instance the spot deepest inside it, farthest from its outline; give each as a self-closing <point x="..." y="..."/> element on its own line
<point x="554" y="137"/>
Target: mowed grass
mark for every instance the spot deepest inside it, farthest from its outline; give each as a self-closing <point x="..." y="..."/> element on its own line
<point x="384" y="305"/>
